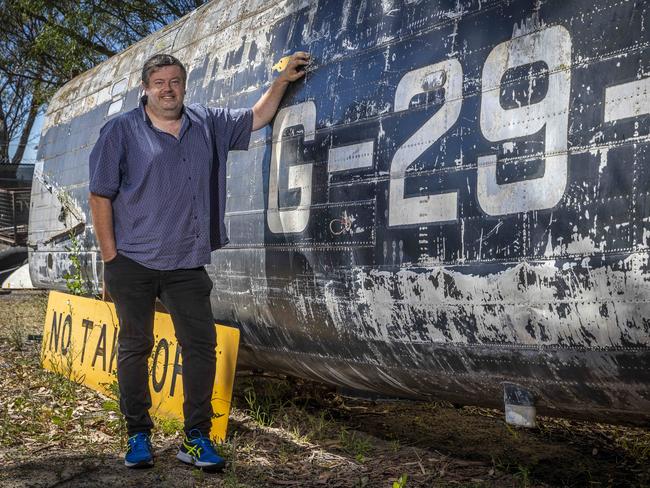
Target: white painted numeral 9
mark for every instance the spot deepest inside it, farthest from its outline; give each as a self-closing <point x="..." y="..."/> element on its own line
<point x="424" y="208"/>
<point x="282" y="221"/>
<point x="553" y="46"/>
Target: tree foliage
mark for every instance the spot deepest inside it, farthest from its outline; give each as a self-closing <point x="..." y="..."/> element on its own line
<point x="44" y="44"/>
<point x="19" y="104"/>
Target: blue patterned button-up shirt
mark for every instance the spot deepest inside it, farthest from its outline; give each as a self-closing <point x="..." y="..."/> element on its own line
<point x="168" y="193"/>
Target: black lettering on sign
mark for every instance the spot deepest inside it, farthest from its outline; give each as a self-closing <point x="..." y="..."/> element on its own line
<point x="65" y="345"/>
<point x="86" y="324"/>
<point x="158" y="385"/>
<point x="54" y="332"/>
<point x="178" y="369"/>
<point x="113" y="350"/>
<point x="100" y="350"/>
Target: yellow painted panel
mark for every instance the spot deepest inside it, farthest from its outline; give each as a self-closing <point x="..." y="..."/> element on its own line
<point x="281" y="64"/>
<point x="80" y="342"/>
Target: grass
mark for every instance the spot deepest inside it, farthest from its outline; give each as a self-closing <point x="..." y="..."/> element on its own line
<point x="261" y="410"/>
<point x="395" y="445"/>
<point x="17" y="336"/>
<point x="362" y="482"/>
<point x="20" y="317"/>
<point x="230" y="480"/>
<point x="115" y="421"/>
<point x="272" y="404"/>
<point x="522" y="474"/>
<point x="229" y="450"/>
<point x="168" y="426"/>
<point x="198" y="474"/>
<point x="305" y="427"/>
<point x="38" y="407"/>
<point x="401" y="481"/>
<point x="355" y="444"/>
<point x="45" y="408"/>
<point x="62" y="377"/>
<point x="319" y="424"/>
<point x="638" y="446"/>
<point x="265" y="407"/>
<point x="511" y="430"/>
<point x="64" y="421"/>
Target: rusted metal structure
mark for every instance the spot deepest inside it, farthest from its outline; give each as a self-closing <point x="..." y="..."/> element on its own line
<point x="14" y="214"/>
<point x="452" y="204"/>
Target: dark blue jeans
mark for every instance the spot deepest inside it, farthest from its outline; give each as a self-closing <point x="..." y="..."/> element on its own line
<point x="185" y="293"/>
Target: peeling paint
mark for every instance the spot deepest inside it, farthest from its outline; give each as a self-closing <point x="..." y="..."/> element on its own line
<point x="456" y="195"/>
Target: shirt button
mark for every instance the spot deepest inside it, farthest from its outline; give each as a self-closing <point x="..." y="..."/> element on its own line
<point x="189" y="177"/>
<point x="184" y="159"/>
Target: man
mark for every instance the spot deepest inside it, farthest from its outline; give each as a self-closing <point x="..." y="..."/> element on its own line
<point x="157" y="199"/>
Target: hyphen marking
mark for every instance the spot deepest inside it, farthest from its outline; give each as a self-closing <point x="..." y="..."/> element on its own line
<point x="351" y="157"/>
<point x="627" y="100"/>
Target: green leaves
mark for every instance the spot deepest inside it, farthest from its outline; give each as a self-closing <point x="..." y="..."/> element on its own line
<point x="74" y="280"/>
<point x="44" y="44"/>
<point x="401" y="482"/>
<point x="55" y="41"/>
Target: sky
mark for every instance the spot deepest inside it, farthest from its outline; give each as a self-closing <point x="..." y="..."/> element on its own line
<point x="30" y="152"/>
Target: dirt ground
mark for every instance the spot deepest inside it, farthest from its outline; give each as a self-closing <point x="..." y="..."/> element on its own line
<point x="288" y="432"/>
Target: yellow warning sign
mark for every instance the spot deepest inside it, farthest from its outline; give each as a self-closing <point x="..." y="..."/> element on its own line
<point x="80" y="342"/>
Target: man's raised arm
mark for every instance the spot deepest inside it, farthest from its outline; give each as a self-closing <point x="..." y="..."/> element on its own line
<point x="267" y="105"/>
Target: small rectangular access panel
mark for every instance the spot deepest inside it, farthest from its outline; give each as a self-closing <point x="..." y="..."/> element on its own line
<point x="80" y="342"/>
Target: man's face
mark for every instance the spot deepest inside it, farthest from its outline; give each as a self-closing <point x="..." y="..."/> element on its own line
<point x="166" y="91"/>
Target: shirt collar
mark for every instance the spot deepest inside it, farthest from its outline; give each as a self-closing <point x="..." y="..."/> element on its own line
<point x="185" y="120"/>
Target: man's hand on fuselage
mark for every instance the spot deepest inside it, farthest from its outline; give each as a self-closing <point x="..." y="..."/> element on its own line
<point x="293" y="70"/>
<point x="267" y="105"/>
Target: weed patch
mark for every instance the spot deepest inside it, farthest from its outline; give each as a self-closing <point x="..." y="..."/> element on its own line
<point x="355" y="444"/>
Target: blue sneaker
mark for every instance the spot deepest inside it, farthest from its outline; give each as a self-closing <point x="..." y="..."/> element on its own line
<point x="199" y="451"/>
<point x="138" y="452"/>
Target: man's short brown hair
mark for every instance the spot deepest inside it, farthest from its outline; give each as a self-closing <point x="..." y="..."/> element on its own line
<point x="157" y="61"/>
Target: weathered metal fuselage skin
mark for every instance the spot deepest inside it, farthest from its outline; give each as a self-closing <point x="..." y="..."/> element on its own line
<point x="455" y="196"/>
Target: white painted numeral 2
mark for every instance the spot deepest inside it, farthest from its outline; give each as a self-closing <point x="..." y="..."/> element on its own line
<point x="425" y="208"/>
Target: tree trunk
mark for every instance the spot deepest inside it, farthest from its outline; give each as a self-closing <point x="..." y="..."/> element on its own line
<point x="4" y="137"/>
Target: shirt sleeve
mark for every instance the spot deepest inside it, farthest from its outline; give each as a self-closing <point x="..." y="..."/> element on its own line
<point x="104" y="161"/>
<point x="234" y="126"/>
